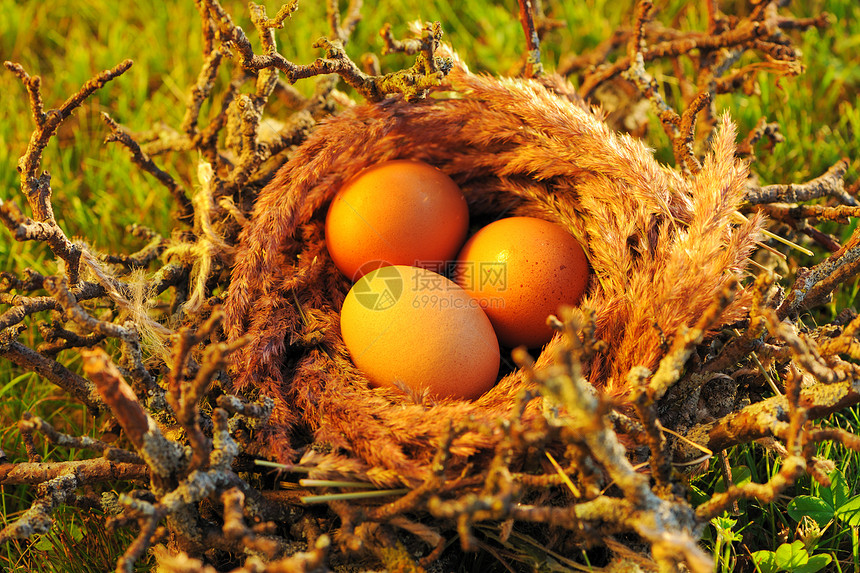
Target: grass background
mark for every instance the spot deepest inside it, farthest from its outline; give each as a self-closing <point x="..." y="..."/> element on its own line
<point x="98" y="192"/>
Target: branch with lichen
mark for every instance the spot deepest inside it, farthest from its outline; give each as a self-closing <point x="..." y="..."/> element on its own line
<point x="761" y="29"/>
<point x="30" y="360"/>
<point x="178" y="482"/>
<point x="426" y="73"/>
<point x="30" y="424"/>
<point x="813" y="286"/>
<point x="533" y="67"/>
<point x="719" y="49"/>
<point x="830" y="183"/>
<point x="565" y="386"/>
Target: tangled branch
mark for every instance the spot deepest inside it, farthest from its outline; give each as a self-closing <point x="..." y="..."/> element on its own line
<point x="571" y="462"/>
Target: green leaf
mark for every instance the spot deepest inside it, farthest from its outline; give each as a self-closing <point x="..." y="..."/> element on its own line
<point x="815" y="563"/>
<point x="724" y="523"/>
<point x="697" y="496"/>
<point x="849" y="512"/>
<point x="766" y="561"/>
<point x="815" y="507"/>
<point x="76" y="532"/>
<point x="14" y="382"/>
<point x="791" y="556"/>
<point x="44" y="543"/>
<point x="740" y="476"/>
<point x="837" y="494"/>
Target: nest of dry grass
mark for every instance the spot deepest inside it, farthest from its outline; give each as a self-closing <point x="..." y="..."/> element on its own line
<point x="662" y="248"/>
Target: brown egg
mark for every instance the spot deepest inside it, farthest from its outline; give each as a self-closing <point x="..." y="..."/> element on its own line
<point x="396" y="213"/>
<point x="521" y="269"/>
<point x="412" y="325"/>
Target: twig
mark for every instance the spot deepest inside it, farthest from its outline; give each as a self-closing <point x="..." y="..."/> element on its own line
<point x="201" y="91"/>
<point x="649" y="392"/>
<point x="762" y="129"/>
<point x="671" y="366"/>
<point x="22" y="307"/>
<point x="37" y="519"/>
<point x="412" y="83"/>
<point x="142" y="160"/>
<point x="791" y="469"/>
<point x="127" y="332"/>
<point x="141" y="543"/>
<point x="142" y="258"/>
<point x="760" y="31"/>
<point x="791" y="213"/>
<point x="184" y="394"/>
<point x="29" y="423"/>
<point x="803" y="351"/>
<point x="596" y="56"/>
<point x="830" y="183"/>
<point x="812" y="286"/>
<point x="235" y="405"/>
<point x="78" y="388"/>
<point x="89" y="471"/>
<point x="683" y="145"/>
<point x="342" y="31"/>
<point x="36" y="186"/>
<point x="24" y="228"/>
<point x="533" y="66"/>
<point x="163" y="456"/>
<point x="769" y="418"/>
<point x="60" y="291"/>
<point x="59" y="339"/>
<point x="674" y="48"/>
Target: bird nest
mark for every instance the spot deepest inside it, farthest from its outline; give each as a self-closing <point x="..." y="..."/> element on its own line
<point x="662" y="249"/>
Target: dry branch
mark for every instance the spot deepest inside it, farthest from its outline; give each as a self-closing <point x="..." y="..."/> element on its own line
<point x="628" y="377"/>
<point x="426" y="73"/>
<point x="30" y="424"/>
<point x="812" y="286"/>
<point x="829" y="184"/>
<point x="28" y="359"/>
<point x="162" y="456"/>
<point x="37" y="186"/>
<point x="533" y="66"/>
<point x="89" y="471"/>
<point x="142" y="160"/>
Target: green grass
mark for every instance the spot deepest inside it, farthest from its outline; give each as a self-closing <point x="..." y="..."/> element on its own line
<point x="98" y="192"/>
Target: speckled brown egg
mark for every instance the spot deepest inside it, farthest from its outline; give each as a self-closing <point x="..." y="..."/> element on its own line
<point x="521" y="269"/>
<point x="412" y="326"/>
